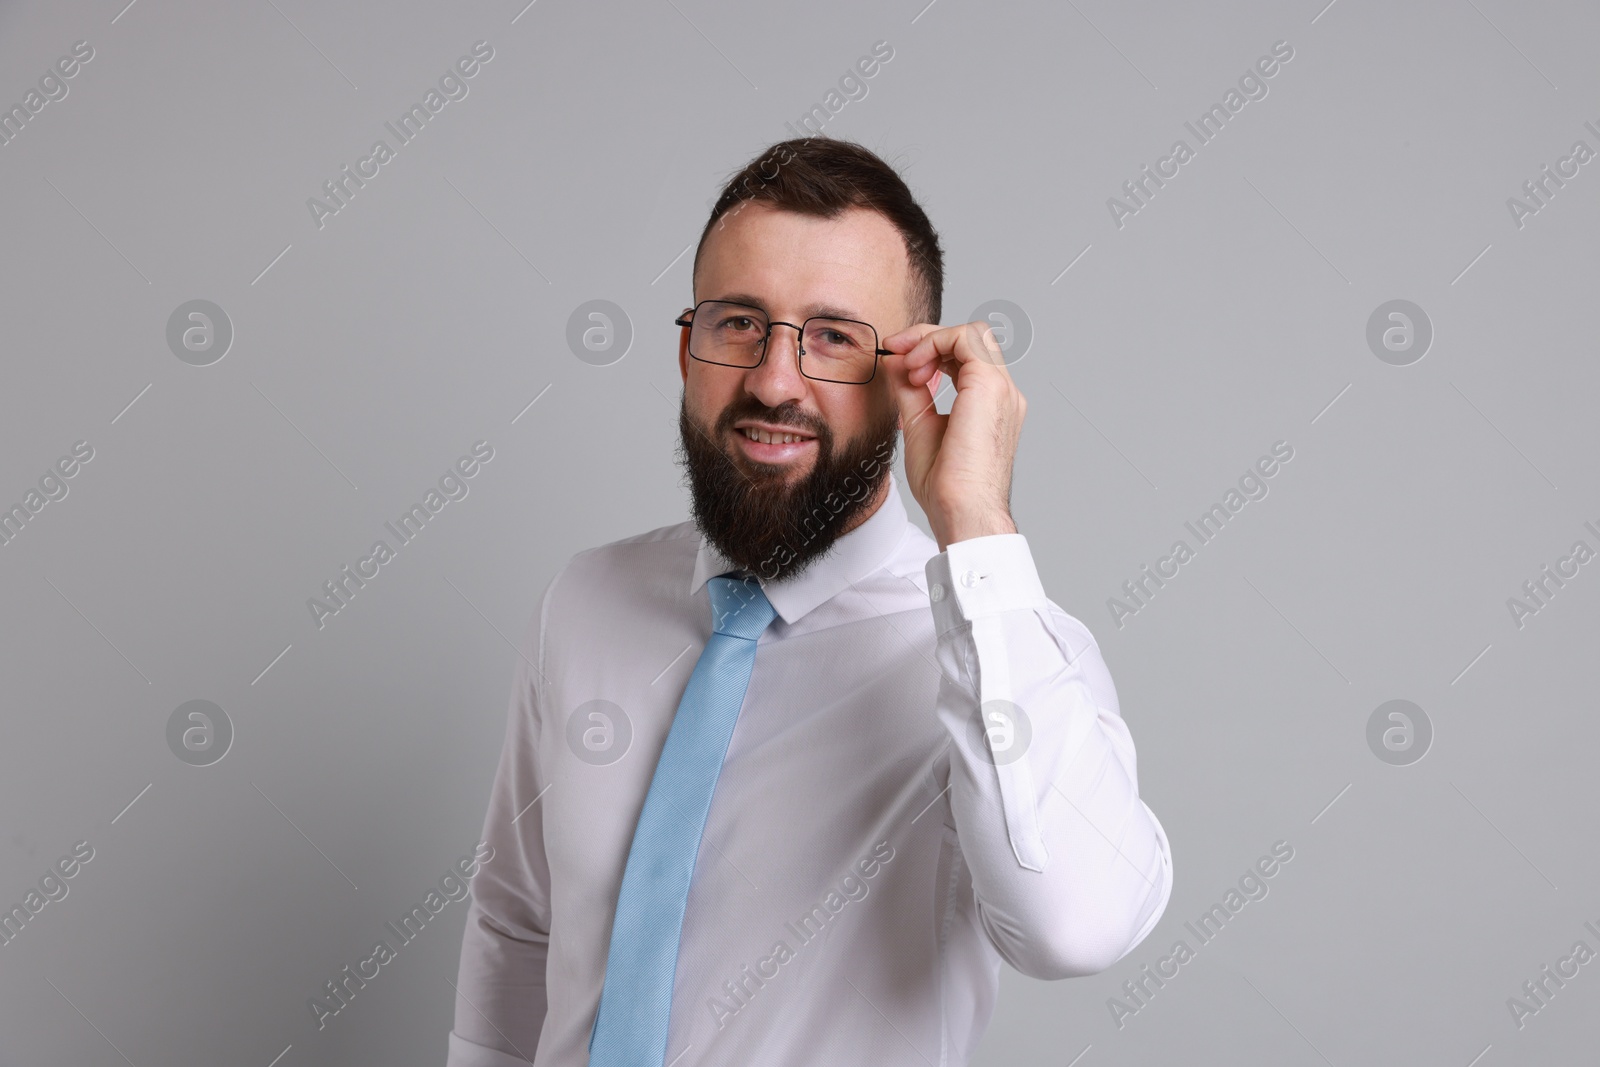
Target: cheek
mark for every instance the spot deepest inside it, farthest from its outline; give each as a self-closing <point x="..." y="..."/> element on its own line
<point x="849" y="413"/>
<point x="707" y="394"/>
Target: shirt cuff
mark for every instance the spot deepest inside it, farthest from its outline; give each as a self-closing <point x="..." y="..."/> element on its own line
<point x="983" y="576"/>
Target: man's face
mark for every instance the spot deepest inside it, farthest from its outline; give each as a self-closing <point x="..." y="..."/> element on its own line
<point x="770" y="506"/>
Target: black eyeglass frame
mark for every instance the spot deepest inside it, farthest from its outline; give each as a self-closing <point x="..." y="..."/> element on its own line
<point x="688" y="320"/>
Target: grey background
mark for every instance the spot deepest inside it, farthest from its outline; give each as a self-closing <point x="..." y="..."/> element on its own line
<point x="369" y="354"/>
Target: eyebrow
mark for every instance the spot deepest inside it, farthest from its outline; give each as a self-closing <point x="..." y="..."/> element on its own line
<point x="827" y="311"/>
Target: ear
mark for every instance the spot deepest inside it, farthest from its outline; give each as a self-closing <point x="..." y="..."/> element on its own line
<point x="683" y="351"/>
<point x="934" y="384"/>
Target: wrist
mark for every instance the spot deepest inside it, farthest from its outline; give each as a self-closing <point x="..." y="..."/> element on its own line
<point x="967" y="527"/>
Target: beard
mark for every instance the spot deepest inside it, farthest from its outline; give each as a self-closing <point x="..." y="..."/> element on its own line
<point x="751" y="514"/>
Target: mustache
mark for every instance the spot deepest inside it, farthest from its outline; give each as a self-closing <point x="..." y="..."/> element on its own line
<point x="788" y="414"/>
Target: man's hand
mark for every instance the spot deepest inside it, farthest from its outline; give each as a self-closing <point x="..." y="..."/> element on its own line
<point x="958" y="465"/>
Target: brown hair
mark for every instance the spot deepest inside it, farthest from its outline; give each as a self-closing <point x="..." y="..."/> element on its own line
<point x="822" y="176"/>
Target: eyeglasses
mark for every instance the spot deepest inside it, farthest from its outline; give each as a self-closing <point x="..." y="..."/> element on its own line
<point x="735" y="335"/>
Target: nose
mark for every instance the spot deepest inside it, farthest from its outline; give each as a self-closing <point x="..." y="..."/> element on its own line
<point x="778" y="378"/>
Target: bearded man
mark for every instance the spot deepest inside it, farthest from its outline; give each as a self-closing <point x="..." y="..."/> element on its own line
<point x="786" y="784"/>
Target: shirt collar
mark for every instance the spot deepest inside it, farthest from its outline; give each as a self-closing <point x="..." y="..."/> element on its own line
<point x="852" y="557"/>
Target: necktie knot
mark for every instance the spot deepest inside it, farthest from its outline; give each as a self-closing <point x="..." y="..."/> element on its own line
<point x="739" y="608"/>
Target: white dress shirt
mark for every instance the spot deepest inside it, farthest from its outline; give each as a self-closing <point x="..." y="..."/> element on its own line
<point x="866" y="864"/>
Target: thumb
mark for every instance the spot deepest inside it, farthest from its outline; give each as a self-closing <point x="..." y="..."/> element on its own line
<point x="920" y="423"/>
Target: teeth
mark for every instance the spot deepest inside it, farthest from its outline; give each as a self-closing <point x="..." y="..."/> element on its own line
<point x="766" y="437"/>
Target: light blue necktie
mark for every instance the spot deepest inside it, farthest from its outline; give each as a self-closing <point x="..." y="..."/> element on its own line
<point x="630" y="1027"/>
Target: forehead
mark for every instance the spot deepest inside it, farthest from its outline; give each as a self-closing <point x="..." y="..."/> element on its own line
<point x="854" y="260"/>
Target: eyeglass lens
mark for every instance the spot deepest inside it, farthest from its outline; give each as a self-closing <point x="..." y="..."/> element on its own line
<point x="839" y="350"/>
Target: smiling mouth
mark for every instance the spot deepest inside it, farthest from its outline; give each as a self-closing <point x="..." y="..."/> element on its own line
<point x="775" y="448"/>
<point x="769" y="437"/>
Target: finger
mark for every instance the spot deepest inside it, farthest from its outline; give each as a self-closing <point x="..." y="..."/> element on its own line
<point x="933" y="355"/>
<point x="930" y="345"/>
<point x="924" y="371"/>
<point x="970" y="342"/>
<point x="906" y="339"/>
<point x="913" y="400"/>
<point x="960" y="371"/>
<point x="931" y="371"/>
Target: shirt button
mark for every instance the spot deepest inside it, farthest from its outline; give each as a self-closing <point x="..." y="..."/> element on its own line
<point x="936" y="592"/>
<point x="969" y="579"/>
